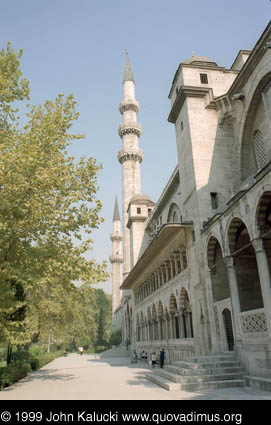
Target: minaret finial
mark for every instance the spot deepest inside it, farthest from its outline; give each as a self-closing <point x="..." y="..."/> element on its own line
<point x="128" y="74"/>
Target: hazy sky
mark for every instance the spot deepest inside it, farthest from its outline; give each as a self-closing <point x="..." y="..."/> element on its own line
<point x="78" y="46"/>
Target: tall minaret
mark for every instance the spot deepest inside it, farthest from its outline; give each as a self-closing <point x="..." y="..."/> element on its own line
<point x="130" y="156"/>
<point x="116" y="258"/>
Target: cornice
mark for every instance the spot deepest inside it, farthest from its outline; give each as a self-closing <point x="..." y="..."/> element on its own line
<point x="134" y="219"/>
<point x="184" y="92"/>
<point x="254" y="58"/>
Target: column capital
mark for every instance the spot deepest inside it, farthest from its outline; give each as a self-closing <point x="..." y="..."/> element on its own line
<point x="229" y="261"/>
<point x="258" y="245"/>
<point x="212" y="269"/>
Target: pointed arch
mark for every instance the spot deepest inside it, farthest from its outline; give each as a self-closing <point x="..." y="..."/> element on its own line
<point x="246" y="267"/>
<point x="174" y="215"/>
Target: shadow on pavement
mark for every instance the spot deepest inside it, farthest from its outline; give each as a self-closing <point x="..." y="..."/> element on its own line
<point x="45" y="375"/>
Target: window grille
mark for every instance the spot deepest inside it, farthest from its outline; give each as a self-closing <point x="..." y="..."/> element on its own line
<point x="259" y="149"/>
<point x="203" y="79"/>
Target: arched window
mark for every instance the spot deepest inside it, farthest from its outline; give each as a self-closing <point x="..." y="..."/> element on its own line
<point x="259" y="149"/>
<point x="173" y="214"/>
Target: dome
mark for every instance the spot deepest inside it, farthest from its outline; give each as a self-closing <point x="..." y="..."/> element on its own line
<point x="199" y="60"/>
<point x="141" y="198"/>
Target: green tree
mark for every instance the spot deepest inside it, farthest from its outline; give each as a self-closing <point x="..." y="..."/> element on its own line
<point x="47" y="200"/>
<point x="104" y="317"/>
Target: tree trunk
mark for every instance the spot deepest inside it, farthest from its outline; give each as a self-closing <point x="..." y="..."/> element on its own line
<point x="9" y="352"/>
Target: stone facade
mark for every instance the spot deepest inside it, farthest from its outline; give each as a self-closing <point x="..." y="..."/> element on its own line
<point x="200" y="282"/>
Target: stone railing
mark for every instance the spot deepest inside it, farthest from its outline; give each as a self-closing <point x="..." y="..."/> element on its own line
<point x="128" y="128"/>
<point x="253" y="322"/>
<point x="130" y="154"/>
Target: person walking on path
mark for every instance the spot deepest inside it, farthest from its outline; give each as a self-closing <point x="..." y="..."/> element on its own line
<point x="162" y="357"/>
<point x="153" y="359"/>
<point x="126" y="343"/>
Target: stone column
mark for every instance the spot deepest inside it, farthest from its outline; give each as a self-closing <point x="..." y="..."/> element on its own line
<point x="172" y="325"/>
<point x="176" y="264"/>
<point x="235" y="301"/>
<point x="171" y="267"/>
<point x="181" y="261"/>
<point x="210" y="306"/>
<point x="264" y="275"/>
<point x="166" y="270"/>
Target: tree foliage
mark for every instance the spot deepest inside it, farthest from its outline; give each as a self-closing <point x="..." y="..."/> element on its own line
<point x="47" y="200"/>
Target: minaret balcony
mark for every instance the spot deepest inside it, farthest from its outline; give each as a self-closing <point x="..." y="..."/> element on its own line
<point x="129" y="105"/>
<point x="116" y="236"/>
<point x="130" y="128"/>
<point x="130" y="155"/>
<point x="116" y="259"/>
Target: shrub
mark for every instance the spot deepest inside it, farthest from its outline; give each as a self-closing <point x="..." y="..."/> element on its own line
<point x="90" y="349"/>
<point x="23" y="355"/>
<point x="24" y="362"/>
<point x="3" y="354"/>
<point x="36" y="350"/>
<point x="35" y="364"/>
<point x="45" y="358"/>
<point x="116" y="338"/>
<point x="100" y="348"/>
<point x="13" y="373"/>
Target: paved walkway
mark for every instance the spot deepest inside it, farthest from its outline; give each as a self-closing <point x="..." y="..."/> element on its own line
<point x="88" y="377"/>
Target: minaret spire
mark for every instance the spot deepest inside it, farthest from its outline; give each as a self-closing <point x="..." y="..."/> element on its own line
<point x="130" y="156"/>
<point x="128" y="73"/>
<point x="116" y="215"/>
<point x="116" y="259"/>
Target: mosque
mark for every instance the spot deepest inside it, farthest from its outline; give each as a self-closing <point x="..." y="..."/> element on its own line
<point x="191" y="272"/>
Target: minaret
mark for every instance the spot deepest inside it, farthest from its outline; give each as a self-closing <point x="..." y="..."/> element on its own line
<point x="130" y="156"/>
<point x="116" y="258"/>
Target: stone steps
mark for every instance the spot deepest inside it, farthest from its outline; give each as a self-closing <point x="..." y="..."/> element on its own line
<point x="211" y="359"/>
<point x="116" y="352"/>
<point x="209" y="371"/>
<point x="197" y="378"/>
<point x="258" y="382"/>
<point x="206" y="365"/>
<point x="194" y="386"/>
<point x="198" y="373"/>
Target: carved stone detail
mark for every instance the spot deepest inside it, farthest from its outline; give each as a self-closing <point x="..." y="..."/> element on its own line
<point x="130" y="128"/>
<point x="131" y="155"/>
<point x="229" y="261"/>
<point x="258" y="245"/>
<point x="253" y="323"/>
<point x="116" y="259"/>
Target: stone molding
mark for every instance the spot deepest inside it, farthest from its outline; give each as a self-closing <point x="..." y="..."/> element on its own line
<point x="130" y="128"/>
<point x="116" y="259"/>
<point x="130" y="155"/>
<point x="116" y="236"/>
<point x="258" y="245"/>
<point x="130" y="105"/>
<point x="184" y="92"/>
<point x="229" y="261"/>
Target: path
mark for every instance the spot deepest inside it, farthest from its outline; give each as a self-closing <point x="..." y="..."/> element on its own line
<point x="89" y="377"/>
